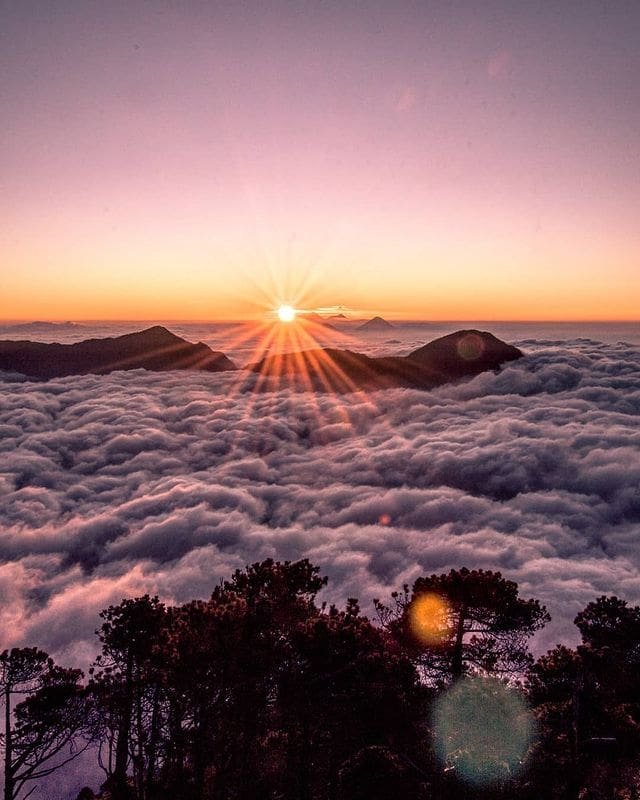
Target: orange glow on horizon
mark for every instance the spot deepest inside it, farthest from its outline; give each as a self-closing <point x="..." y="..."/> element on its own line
<point x="439" y="286"/>
<point x="56" y="300"/>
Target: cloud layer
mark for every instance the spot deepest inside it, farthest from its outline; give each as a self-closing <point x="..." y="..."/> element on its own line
<point x="116" y="485"/>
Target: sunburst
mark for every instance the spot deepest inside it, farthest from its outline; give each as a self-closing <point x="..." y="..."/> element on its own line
<point x="290" y="351"/>
<point x="286" y="313"/>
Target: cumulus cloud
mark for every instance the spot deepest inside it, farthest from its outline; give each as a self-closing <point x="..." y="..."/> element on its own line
<point x="116" y="485"/>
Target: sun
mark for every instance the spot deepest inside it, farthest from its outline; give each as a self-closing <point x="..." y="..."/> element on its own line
<point x="286" y="313"/>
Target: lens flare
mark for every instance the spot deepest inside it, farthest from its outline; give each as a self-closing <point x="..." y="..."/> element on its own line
<point x="286" y="313"/>
<point x="429" y="618"/>
<point x="482" y="730"/>
<point x="470" y="347"/>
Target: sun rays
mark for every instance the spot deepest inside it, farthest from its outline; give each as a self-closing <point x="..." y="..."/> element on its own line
<point x="294" y="349"/>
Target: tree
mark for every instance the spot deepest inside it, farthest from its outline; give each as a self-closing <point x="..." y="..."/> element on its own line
<point x="347" y="687"/>
<point x="223" y="662"/>
<point x="125" y="685"/>
<point x="269" y="694"/>
<point x="551" y="687"/>
<point x="464" y="621"/>
<point x="587" y="703"/>
<point x="608" y="697"/>
<point x="40" y="736"/>
<point x="279" y="593"/>
<point x="610" y="659"/>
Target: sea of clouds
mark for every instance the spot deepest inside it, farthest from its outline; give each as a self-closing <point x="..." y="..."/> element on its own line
<point x="113" y="486"/>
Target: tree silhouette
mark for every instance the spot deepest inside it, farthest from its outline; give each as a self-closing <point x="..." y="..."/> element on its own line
<point x="221" y="670"/>
<point x="587" y="702"/>
<point x="259" y="693"/>
<point x="41" y="732"/>
<point x="123" y="685"/>
<point x="349" y="687"/>
<point x="377" y="772"/>
<point x="464" y="621"/>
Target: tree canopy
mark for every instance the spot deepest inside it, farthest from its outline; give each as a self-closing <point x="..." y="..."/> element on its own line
<point x="262" y="693"/>
<point x="464" y="621"/>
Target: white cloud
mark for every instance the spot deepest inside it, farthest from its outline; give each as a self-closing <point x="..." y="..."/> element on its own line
<point x="165" y="483"/>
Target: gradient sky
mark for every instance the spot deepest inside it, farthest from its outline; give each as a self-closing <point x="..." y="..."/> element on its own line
<point x="197" y="160"/>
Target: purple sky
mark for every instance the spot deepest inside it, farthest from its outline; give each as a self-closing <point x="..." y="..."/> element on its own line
<point x="436" y="160"/>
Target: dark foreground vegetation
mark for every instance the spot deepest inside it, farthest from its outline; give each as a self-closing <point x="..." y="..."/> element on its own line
<point x="260" y="693"/>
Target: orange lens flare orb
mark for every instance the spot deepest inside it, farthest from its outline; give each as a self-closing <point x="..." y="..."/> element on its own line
<point x="428" y="619"/>
<point x="286" y="313"/>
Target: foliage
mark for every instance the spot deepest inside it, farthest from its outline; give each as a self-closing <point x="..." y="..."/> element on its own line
<point x="259" y="693"/>
<point x="50" y="727"/>
<point x="484" y="627"/>
<point x="587" y="702"/>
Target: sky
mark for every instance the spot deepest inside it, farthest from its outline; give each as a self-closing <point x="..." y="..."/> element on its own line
<point x="211" y="160"/>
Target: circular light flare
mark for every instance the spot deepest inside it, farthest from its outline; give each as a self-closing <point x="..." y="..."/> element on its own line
<point x="286" y="313"/>
<point x="470" y="347"/>
<point x="429" y="619"/>
<point x="482" y="729"/>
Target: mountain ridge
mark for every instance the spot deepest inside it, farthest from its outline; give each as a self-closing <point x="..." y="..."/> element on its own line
<point x="155" y="349"/>
<point x="460" y="354"/>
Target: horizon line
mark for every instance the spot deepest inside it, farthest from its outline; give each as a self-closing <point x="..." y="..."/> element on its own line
<point x="244" y="320"/>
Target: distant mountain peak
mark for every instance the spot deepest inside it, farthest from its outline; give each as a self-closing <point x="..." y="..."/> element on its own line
<point x="156" y="332"/>
<point x="375" y="324"/>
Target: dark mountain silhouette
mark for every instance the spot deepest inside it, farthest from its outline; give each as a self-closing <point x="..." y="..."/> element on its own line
<point x="155" y="349"/>
<point x="464" y="353"/>
<point x="375" y="324"/>
<point x="338" y="318"/>
<point x="461" y="354"/>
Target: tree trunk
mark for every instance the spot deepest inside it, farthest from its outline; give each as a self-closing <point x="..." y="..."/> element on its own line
<point x="173" y="770"/>
<point x="153" y="740"/>
<point x="456" y="659"/>
<point x="139" y="754"/>
<point x="8" y="746"/>
<point x="120" y="790"/>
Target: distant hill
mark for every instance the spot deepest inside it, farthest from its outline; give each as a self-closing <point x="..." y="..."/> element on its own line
<point x="41" y="327"/>
<point x="338" y="318"/>
<point x="465" y="352"/>
<point x="155" y="349"/>
<point x="375" y="324"/>
<point x="314" y="319"/>
<point x="461" y="354"/>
